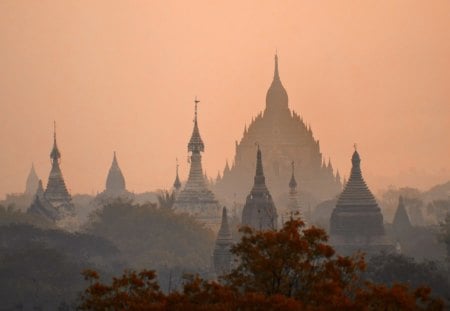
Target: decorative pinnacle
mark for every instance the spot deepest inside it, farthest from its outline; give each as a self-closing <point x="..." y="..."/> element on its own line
<point x="196" y="101"/>
<point x="355" y="146"/>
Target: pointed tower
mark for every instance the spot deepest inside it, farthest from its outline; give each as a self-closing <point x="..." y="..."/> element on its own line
<point x="294" y="209"/>
<point x="32" y="182"/>
<point x="196" y="199"/>
<point x="356" y="222"/>
<point x="55" y="203"/>
<point x="115" y="186"/>
<point x="177" y="183"/>
<point x="115" y="182"/>
<point x="259" y="211"/>
<point x="276" y="97"/>
<point x="401" y="221"/>
<point x="56" y="192"/>
<point x="222" y="251"/>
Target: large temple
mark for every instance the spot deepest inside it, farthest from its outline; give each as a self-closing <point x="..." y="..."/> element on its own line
<point x="284" y="137"/>
<point x="196" y="198"/>
<point x="259" y="210"/>
<point x="115" y="184"/>
<point x="55" y="202"/>
<point x="356" y="223"/>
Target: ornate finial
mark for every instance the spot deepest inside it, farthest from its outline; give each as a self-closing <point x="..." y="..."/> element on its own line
<point x="54" y="130"/>
<point x="176" y="160"/>
<point x="355" y="146"/>
<point x="293" y="166"/>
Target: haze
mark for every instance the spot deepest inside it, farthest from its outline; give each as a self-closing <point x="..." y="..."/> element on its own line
<point x="123" y="75"/>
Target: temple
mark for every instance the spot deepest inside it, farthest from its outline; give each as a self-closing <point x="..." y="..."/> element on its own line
<point x="222" y="256"/>
<point x="356" y="223"/>
<point x="293" y="210"/>
<point x="259" y="210"/>
<point x="115" y="183"/>
<point x="284" y="137"/>
<point x="55" y="202"/>
<point x="196" y="198"/>
<point x="401" y="223"/>
<point x="177" y="183"/>
<point x="32" y="182"/>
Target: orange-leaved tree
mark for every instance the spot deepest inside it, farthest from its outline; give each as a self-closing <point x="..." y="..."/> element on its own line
<point x="290" y="269"/>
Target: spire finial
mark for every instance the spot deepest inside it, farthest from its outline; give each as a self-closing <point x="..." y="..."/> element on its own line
<point x="293" y="167"/>
<point x="176" y="161"/>
<point x="196" y="101"/>
<point x="54" y="130"/>
<point x="355" y="146"/>
<point x="276" y="75"/>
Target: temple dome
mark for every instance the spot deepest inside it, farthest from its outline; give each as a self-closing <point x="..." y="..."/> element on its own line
<point x="115" y="182"/>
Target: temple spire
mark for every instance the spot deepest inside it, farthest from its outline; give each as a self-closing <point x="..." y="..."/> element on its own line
<point x="55" y="155"/>
<point x="196" y="143"/>
<point x="115" y="181"/>
<point x="177" y="183"/>
<point x="222" y="255"/>
<point x="259" y="174"/>
<point x="32" y="181"/>
<point x="276" y="75"/>
<point x="293" y="182"/>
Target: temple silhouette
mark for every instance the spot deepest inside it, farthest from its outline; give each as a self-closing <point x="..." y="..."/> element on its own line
<point x="284" y="137"/>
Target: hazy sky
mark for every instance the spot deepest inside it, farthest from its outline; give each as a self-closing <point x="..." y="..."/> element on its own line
<point x="122" y="75"/>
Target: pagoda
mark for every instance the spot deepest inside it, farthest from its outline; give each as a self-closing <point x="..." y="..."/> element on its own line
<point x="259" y="210"/>
<point x="55" y="202"/>
<point x="284" y="137"/>
<point x="356" y="223"/>
<point x="115" y="184"/>
<point x="196" y="198"/>
<point x="222" y="256"/>
<point x="32" y="182"/>
<point x="293" y="210"/>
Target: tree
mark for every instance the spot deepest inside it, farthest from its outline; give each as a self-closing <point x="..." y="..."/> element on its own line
<point x="290" y="269"/>
<point x="166" y="199"/>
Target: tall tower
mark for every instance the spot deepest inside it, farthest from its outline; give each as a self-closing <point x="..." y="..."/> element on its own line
<point x="195" y="198"/>
<point x="56" y="202"/>
<point x="222" y="251"/>
<point x="115" y="186"/>
<point x="294" y="209"/>
<point x="356" y="222"/>
<point x="177" y="182"/>
<point x="259" y="210"/>
<point x="32" y="182"/>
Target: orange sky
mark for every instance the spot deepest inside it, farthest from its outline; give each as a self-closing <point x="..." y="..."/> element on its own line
<point x="122" y="75"/>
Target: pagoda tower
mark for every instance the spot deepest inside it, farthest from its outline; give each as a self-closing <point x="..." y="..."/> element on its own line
<point x="195" y="198"/>
<point x="401" y="223"/>
<point x="32" y="182"/>
<point x="115" y="186"/>
<point x="357" y="222"/>
<point x="293" y="207"/>
<point x="222" y="256"/>
<point x="56" y="201"/>
<point x="259" y="210"/>
<point x="284" y="137"/>
<point x="177" y="183"/>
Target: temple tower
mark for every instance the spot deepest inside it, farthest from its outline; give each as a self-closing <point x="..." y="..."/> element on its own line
<point x="222" y="256"/>
<point x="32" y="182"/>
<point x="401" y="223"/>
<point x="357" y="222"/>
<point x="56" y="200"/>
<point x="195" y="198"/>
<point x="115" y="186"/>
<point x="293" y="207"/>
<point x="259" y="210"/>
<point x="284" y="137"/>
<point x="177" y="183"/>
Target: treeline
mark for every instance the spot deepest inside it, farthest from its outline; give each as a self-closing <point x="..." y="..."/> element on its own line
<point x="290" y="269"/>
